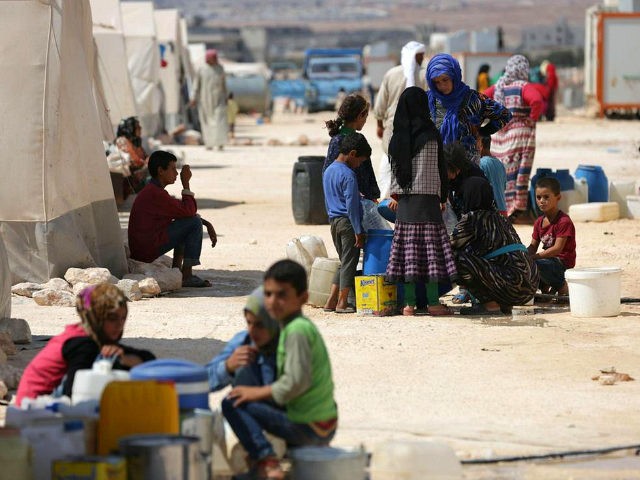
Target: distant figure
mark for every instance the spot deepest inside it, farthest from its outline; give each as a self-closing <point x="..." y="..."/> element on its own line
<point x="342" y="94"/>
<point x="500" y="34"/>
<point x="129" y="145"/>
<point x="232" y="112"/>
<point x="548" y="69"/>
<point x="210" y="94"/>
<point x="483" y="79"/>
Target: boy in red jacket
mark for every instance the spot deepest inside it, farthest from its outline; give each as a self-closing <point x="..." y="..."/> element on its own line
<point x="159" y="223"/>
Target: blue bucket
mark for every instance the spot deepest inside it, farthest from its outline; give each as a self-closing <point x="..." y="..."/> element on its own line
<point x="377" y="249"/>
<point x="597" y="182"/>
<point x="191" y="380"/>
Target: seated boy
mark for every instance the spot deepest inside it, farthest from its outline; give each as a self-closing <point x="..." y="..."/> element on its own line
<point x="304" y="387"/>
<point x="495" y="172"/>
<point x="555" y="230"/>
<point x="342" y="201"/>
<point x="159" y="223"/>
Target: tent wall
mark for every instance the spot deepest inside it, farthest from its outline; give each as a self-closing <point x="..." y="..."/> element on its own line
<point x="58" y="209"/>
<point x="5" y="283"/>
<point x="168" y="36"/>
<point x="112" y="61"/>
<point x="143" y="61"/>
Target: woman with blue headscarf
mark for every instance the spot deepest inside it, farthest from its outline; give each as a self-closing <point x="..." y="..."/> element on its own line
<point x="461" y="113"/>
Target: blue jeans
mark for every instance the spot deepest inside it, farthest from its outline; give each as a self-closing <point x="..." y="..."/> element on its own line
<point x="250" y="419"/>
<point x="551" y="271"/>
<point x="185" y="236"/>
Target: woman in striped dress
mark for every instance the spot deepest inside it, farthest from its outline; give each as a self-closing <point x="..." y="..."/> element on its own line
<point x="420" y="250"/>
<point x="492" y="262"/>
<point x="515" y="144"/>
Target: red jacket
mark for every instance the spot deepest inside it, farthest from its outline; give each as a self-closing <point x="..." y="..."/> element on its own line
<point x="152" y="212"/>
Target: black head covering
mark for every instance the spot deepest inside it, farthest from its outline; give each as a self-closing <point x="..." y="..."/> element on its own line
<point x="477" y="194"/>
<point x="484" y="68"/>
<point x="127" y="128"/>
<point x="412" y="128"/>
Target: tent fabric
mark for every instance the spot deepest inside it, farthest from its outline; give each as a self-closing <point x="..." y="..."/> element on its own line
<point x="143" y="61"/>
<point x="58" y="210"/>
<point x="5" y="283"/>
<point x="168" y="37"/>
<point x="112" y="61"/>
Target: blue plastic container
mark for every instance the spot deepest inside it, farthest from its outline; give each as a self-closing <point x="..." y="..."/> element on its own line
<point x="191" y="380"/>
<point x="597" y="182"/>
<point x="562" y="175"/>
<point x="377" y="249"/>
<point x="385" y="212"/>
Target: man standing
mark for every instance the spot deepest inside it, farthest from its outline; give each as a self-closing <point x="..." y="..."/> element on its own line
<point x="210" y="94"/>
<point x="407" y="74"/>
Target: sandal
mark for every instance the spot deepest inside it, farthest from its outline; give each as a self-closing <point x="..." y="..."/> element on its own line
<point x="195" y="282"/>
<point x="347" y="309"/>
<point x="409" y="311"/>
<point x="439" y="310"/>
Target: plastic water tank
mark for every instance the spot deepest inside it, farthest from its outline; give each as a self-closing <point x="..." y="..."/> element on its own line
<point x="596" y="180"/>
<point x="191" y="380"/>
<point x="377" y="249"/>
<point x="307" y="195"/>
<point x="563" y="176"/>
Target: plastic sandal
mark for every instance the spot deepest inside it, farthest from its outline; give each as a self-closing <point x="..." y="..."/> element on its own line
<point x="195" y="282"/>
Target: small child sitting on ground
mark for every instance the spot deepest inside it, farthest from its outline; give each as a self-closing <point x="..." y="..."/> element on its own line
<point x="307" y="412"/>
<point x="494" y="171"/>
<point x="555" y="230"/>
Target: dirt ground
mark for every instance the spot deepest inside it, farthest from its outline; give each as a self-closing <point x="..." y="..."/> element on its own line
<point x="487" y="387"/>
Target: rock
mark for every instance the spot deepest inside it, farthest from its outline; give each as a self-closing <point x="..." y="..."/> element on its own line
<point x="26" y="289"/>
<point x="10" y="375"/>
<point x="6" y="344"/>
<point x="149" y="286"/>
<point x="303" y="140"/>
<point x="253" y="241"/>
<point x="3" y="390"/>
<point x="130" y="289"/>
<point x="58" y="298"/>
<point x="168" y="279"/>
<point x="134" y="276"/>
<point x="17" y="328"/>
<point x="273" y="142"/>
<point x="89" y="275"/>
<point x="57" y="284"/>
<point x="78" y="287"/>
<point x="137" y="268"/>
<point x="163" y="261"/>
<point x="113" y="279"/>
<point x="3" y="357"/>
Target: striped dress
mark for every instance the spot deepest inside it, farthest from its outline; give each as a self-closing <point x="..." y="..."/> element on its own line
<point x="515" y="147"/>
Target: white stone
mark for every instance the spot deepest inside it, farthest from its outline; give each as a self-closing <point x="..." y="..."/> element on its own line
<point x="58" y="298"/>
<point x="89" y="275"/>
<point x="57" y="284"/>
<point x="136" y="267"/>
<point x="149" y="286"/>
<point x="253" y="241"/>
<point x="164" y="261"/>
<point x="26" y="289"/>
<point x="6" y="344"/>
<point x="3" y="390"/>
<point x="130" y="289"/>
<point x="135" y="276"/>
<point x="78" y="287"/>
<point x="10" y="375"/>
<point x="168" y="279"/>
<point x="17" y="328"/>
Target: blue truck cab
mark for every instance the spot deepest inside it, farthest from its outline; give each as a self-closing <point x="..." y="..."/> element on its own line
<point x="326" y="71"/>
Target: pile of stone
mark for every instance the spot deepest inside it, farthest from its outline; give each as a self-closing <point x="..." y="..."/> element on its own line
<point x="145" y="280"/>
<point x="13" y="331"/>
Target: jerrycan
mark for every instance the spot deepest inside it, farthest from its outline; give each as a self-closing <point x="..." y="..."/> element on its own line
<point x="89" y="384"/>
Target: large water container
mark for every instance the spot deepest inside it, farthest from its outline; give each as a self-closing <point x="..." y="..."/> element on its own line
<point x="88" y="384"/>
<point x="377" y="249"/>
<point x="307" y="195"/>
<point x="596" y="180"/>
<point x="321" y="278"/>
<point x="567" y="184"/>
<point x="191" y="380"/>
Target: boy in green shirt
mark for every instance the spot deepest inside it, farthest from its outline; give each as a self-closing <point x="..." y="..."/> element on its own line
<point x="304" y="384"/>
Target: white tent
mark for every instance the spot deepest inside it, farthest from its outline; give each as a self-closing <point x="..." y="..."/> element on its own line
<point x="56" y="206"/>
<point x="5" y="283"/>
<point x="143" y="62"/>
<point x="112" y="61"/>
<point x="169" y="43"/>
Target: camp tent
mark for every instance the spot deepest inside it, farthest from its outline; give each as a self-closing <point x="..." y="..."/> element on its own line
<point x="112" y="61"/>
<point x="56" y="204"/>
<point x="169" y="43"/>
<point x="143" y="60"/>
<point x="5" y="283"/>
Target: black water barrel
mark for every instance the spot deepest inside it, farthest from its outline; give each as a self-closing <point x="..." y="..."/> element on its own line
<point x="307" y="195"/>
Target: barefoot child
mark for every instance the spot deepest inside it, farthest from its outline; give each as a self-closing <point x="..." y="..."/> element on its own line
<point x="304" y="388"/>
<point x="555" y="230"/>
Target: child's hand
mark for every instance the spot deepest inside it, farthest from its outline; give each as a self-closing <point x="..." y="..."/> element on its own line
<point x="185" y="175"/>
<point x="241" y="356"/>
<point x="243" y="394"/>
<point x="213" y="236"/>
<point x="360" y="240"/>
<point x="111" y="351"/>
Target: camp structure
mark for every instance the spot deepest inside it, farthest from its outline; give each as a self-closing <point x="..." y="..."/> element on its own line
<point x="170" y="46"/>
<point x="143" y="61"/>
<point x="5" y="283"/>
<point x="112" y="61"/>
<point x="56" y="203"/>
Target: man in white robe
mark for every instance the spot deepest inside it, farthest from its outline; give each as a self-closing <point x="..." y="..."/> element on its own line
<point x="210" y="94"/>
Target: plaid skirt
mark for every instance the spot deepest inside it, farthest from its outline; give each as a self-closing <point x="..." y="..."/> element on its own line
<point x="421" y="252"/>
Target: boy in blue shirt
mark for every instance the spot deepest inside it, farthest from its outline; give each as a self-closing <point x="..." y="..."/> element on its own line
<point x="342" y="200"/>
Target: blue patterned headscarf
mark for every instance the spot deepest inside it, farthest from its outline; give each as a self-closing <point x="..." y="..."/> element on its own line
<point x="445" y="64"/>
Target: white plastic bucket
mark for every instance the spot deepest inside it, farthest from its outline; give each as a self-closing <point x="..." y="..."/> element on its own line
<point x="594" y="292"/>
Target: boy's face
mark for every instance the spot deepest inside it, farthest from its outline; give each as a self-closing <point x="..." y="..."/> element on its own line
<point x="547" y="200"/>
<point x="281" y="300"/>
<point x="169" y="175"/>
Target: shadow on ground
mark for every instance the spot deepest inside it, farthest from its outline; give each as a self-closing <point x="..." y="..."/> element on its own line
<point x="224" y="283"/>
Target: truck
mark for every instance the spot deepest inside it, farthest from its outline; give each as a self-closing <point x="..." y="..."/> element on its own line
<point x="328" y="70"/>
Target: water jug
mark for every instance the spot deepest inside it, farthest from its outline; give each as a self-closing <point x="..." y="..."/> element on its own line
<point x="88" y="384"/>
<point x="307" y="194"/>
<point x="567" y="186"/>
<point x="321" y="278"/>
<point x="618" y="192"/>
<point x="596" y="180"/>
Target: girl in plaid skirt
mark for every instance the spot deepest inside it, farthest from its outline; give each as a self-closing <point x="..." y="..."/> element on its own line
<point x="420" y="250"/>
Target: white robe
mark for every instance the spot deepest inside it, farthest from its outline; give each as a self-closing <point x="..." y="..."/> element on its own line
<point x="210" y="92"/>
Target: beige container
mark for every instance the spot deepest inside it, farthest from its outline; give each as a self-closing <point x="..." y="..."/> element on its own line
<point x="594" y="212"/>
<point x="633" y="206"/>
<point x="15" y="455"/>
<point x="618" y="192"/>
<point x="321" y="278"/>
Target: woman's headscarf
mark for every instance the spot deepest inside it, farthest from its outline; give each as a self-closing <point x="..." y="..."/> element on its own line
<point x="517" y="69"/>
<point x="127" y="128"/>
<point x="477" y="194"/>
<point x="94" y="303"/>
<point x="210" y="55"/>
<point x="408" y="60"/>
<point x="445" y="64"/>
<point x="255" y="305"/>
<point x="412" y="128"/>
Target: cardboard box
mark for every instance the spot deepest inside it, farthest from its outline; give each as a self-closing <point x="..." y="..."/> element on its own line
<point x="375" y="296"/>
<point x="90" y="468"/>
